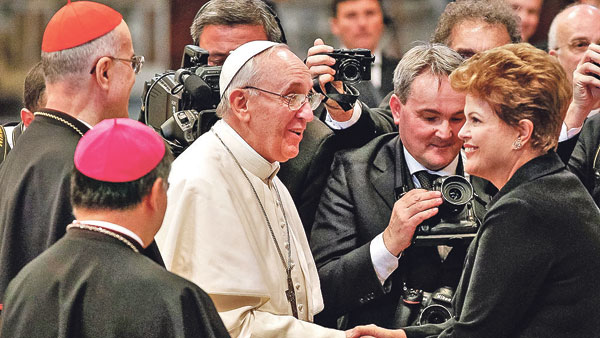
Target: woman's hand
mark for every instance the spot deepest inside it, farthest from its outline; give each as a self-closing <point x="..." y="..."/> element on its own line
<point x="374" y="332"/>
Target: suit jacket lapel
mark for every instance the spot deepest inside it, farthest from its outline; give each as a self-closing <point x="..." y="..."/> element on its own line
<point x="382" y="175"/>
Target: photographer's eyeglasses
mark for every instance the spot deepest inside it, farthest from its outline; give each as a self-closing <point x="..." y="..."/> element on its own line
<point x="137" y="61"/>
<point x="296" y="101"/>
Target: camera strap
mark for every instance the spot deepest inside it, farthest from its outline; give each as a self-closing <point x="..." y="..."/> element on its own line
<point x="345" y="100"/>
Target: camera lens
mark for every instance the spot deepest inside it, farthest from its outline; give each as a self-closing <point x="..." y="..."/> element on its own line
<point x="455" y="194"/>
<point x="456" y="190"/>
<point x="350" y="71"/>
<point x="434" y="314"/>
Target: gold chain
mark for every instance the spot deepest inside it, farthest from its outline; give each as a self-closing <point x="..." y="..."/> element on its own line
<point x="60" y="119"/>
<point x="3" y="147"/>
<point x="77" y="224"/>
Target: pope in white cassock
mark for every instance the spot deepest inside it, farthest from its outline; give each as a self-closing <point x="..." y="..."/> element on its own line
<point x="231" y="226"/>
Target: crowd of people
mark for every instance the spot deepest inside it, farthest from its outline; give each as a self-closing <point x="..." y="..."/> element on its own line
<point x="454" y="194"/>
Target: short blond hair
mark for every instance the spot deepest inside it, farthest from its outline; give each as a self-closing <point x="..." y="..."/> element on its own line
<point x="519" y="82"/>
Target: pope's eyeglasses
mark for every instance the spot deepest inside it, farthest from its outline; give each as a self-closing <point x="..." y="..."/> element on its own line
<point x="295" y="101"/>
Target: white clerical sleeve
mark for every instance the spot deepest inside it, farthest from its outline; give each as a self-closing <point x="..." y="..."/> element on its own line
<point x="242" y="318"/>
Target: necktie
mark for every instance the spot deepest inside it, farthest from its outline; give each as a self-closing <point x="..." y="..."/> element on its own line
<point x="426" y="179"/>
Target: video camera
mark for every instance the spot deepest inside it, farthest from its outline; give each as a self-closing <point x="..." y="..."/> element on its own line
<point x="456" y="219"/>
<point x="181" y="104"/>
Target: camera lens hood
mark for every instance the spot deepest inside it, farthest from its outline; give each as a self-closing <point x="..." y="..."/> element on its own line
<point x="456" y="190"/>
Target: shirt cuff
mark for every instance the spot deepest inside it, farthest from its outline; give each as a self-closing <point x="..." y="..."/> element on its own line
<point x="383" y="261"/>
<point x="333" y="124"/>
<point x="567" y="134"/>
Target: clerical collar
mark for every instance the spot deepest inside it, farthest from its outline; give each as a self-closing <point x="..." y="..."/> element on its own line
<point x="245" y="154"/>
<point x="115" y="228"/>
<point x="414" y="166"/>
<point x="86" y="124"/>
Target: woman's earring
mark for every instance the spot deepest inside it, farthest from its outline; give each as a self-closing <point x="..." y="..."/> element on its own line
<point x="517" y="144"/>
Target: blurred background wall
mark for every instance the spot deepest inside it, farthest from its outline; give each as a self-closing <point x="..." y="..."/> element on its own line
<point x="160" y="30"/>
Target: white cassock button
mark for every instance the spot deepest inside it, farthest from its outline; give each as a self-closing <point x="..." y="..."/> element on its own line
<point x="297" y="286"/>
<point x="282" y="225"/>
<point x="286" y="245"/>
<point x="300" y="307"/>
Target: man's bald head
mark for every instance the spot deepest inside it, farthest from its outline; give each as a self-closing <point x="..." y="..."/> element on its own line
<point x="571" y="32"/>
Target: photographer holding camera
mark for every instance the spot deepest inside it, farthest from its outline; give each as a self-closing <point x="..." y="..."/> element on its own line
<point x="378" y="194"/>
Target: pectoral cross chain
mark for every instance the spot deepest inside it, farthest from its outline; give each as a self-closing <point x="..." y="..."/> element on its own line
<point x="290" y="294"/>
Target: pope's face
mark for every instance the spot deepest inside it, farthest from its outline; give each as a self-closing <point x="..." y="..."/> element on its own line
<point x="275" y="129"/>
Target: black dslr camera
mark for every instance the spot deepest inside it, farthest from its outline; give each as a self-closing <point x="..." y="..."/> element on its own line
<point x="456" y="219"/>
<point x="437" y="306"/>
<point x="352" y="65"/>
<point x="181" y="104"/>
<point x="417" y="307"/>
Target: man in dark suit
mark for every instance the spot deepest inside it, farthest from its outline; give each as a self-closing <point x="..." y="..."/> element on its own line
<point x="584" y="161"/>
<point x="366" y="219"/>
<point x="572" y="40"/>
